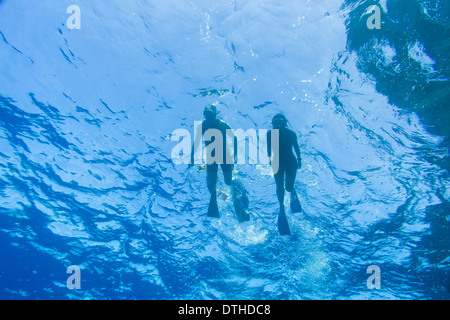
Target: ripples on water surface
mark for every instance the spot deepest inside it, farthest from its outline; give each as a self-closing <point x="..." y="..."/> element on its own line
<point x="86" y="179"/>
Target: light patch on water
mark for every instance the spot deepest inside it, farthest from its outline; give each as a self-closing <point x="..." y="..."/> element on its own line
<point x="114" y="245"/>
<point x="301" y="262"/>
<point x="388" y="53"/>
<point x="245" y="234"/>
<point x="68" y="230"/>
<point x="248" y="234"/>
<point x="417" y="52"/>
<point x="108" y="225"/>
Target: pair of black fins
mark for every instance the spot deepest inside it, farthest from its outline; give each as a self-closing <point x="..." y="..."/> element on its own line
<point x="241" y="203"/>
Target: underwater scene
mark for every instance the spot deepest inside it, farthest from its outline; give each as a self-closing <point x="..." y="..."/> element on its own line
<point x="101" y="100"/>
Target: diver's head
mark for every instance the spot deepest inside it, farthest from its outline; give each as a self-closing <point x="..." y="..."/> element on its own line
<point x="210" y="112"/>
<point x="279" y="121"/>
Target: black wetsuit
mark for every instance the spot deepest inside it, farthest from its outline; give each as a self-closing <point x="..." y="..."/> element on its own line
<point x="227" y="168"/>
<point x="288" y="163"/>
<point x="222" y="126"/>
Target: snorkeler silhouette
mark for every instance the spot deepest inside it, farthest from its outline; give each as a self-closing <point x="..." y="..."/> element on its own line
<point x="287" y="165"/>
<point x="218" y="152"/>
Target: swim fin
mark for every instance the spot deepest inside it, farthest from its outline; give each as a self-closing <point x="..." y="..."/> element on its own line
<point x="213" y="209"/>
<point x="242" y="215"/>
<point x="296" y="206"/>
<point x="240" y="201"/>
<point x="283" y="226"/>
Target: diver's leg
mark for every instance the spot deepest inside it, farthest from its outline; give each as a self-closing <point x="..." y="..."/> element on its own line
<point x="283" y="225"/>
<point x="279" y="181"/>
<point x="291" y="173"/>
<point x="227" y="170"/>
<point x="211" y="180"/>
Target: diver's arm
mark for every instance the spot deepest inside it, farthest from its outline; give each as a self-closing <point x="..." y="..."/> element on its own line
<point x="297" y="150"/>
<point x="196" y="144"/>
<point x="191" y="163"/>
<point x="235" y="144"/>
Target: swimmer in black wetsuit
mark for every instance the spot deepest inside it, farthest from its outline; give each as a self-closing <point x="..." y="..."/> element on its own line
<point x="288" y="165"/>
<point x="227" y="165"/>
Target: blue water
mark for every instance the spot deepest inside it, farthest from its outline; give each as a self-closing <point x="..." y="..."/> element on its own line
<point x="87" y="179"/>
